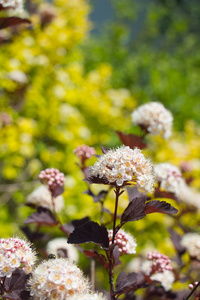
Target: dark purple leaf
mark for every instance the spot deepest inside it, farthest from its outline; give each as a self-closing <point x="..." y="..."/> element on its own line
<point x="98" y="257"/>
<point x="126" y="282"/>
<point x="176" y="240"/>
<point x="163" y="194"/>
<point x="57" y="191"/>
<point x="104" y="149"/>
<point x="43" y="216"/>
<point x="133" y="193"/>
<point x="12" y="21"/>
<point x="90" y="232"/>
<point x="97" y="180"/>
<point x="86" y="171"/>
<point x="159" y="207"/>
<point x="134" y="211"/>
<point x="12" y="295"/>
<point x="131" y="140"/>
<point x="79" y="222"/>
<point x="15" y="284"/>
<point x="69" y="227"/>
<point x="34" y="235"/>
<point x="106" y="210"/>
<point x="96" y="198"/>
<point x="116" y="256"/>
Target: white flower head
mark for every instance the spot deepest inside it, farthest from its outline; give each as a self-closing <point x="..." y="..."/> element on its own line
<point x="57" y="279"/>
<point x="165" y="278"/>
<point x="191" y="241"/>
<point x="126" y="242"/>
<point x="155" y="118"/>
<point x="41" y="196"/>
<point x="15" y="5"/>
<point x="15" y="253"/>
<point x="125" y="165"/>
<point x="57" y="244"/>
<point x="169" y="177"/>
<point x="90" y="296"/>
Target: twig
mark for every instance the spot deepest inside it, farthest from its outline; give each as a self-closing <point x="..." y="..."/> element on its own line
<point x="194" y="289"/>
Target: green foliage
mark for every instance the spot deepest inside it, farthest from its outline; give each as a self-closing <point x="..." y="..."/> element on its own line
<point x="154" y="54"/>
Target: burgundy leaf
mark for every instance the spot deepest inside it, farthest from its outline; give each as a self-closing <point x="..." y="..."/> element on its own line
<point x="97" y="180"/>
<point x="57" y="191"/>
<point x="96" y="198"/>
<point x="90" y="232"/>
<point x="116" y="256"/>
<point x="43" y="216"/>
<point x="159" y="207"/>
<point x="12" y="21"/>
<point x="104" y="149"/>
<point x="163" y="194"/>
<point x="126" y="282"/>
<point x="86" y="171"/>
<point x="176" y="240"/>
<point x="134" y="211"/>
<point x="33" y="235"/>
<point x="133" y="192"/>
<point x="79" y="222"/>
<point x="106" y="210"/>
<point x="69" y="227"/>
<point x="12" y="296"/>
<point x="131" y="140"/>
<point x="98" y="257"/>
<point x="16" y="283"/>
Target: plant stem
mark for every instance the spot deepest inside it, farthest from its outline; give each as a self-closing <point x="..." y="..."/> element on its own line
<point x="194" y="289"/>
<point x="92" y="274"/>
<point x="111" y="260"/>
<point x="117" y="192"/>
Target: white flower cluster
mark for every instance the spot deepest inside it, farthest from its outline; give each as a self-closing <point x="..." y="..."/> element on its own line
<point x="15" y="253"/>
<point x="155" y="118"/>
<point x="125" y="165"/>
<point x="169" y="177"/>
<point x="57" y="244"/>
<point x="88" y="297"/>
<point x="191" y="241"/>
<point x="41" y="196"/>
<point x="126" y="243"/>
<point x="57" y="279"/>
<point x="15" y="5"/>
<point x="166" y="278"/>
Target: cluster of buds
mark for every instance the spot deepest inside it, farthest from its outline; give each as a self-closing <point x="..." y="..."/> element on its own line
<point x="158" y="268"/>
<point x="160" y="262"/>
<point x="15" y="253"/>
<point x="191" y="286"/>
<point x="53" y="178"/>
<point x="84" y="152"/>
<point x="125" y="242"/>
<point x="123" y="165"/>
